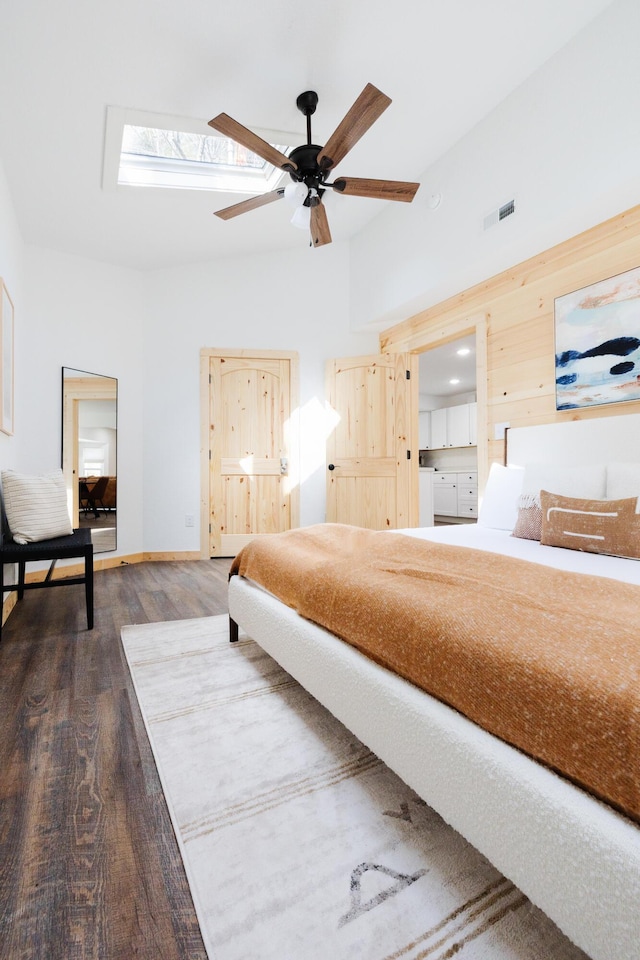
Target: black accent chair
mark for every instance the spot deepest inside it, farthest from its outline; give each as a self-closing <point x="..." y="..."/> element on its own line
<point x="91" y="496"/>
<point x="76" y="544"/>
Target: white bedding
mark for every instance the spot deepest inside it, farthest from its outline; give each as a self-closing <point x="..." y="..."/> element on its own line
<point x="501" y="541"/>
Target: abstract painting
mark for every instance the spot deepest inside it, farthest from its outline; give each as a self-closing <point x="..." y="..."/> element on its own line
<point x="598" y="343"/>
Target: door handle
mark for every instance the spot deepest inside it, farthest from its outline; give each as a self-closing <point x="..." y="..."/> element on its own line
<point x="284" y="465"/>
<point x="332" y="466"/>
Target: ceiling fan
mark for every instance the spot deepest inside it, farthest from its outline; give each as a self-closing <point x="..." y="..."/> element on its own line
<point x="310" y="165"/>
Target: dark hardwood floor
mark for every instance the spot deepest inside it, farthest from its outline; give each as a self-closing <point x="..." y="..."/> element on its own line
<point x="89" y="865"/>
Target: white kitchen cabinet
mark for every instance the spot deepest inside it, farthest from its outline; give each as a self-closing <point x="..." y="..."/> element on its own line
<point x="453" y="427"/>
<point x="467" y="486"/>
<point x="445" y="494"/>
<point x="425" y="486"/>
<point x="473" y="424"/>
<point x="458" y="425"/>
<point x="438" y="429"/>
<point x="424" y="429"/>
<point x="455" y="494"/>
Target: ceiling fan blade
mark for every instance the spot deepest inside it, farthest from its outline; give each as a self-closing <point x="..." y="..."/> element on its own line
<point x="235" y="131"/>
<point x="245" y="205"/>
<point x="320" y="233"/>
<point x="365" y="111"/>
<point x="377" y="189"/>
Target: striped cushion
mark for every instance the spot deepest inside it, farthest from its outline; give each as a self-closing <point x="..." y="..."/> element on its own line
<point x="36" y="507"/>
<point x="596" y="526"/>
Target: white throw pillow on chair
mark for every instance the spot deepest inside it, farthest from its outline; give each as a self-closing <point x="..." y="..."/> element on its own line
<point x="36" y="506"/>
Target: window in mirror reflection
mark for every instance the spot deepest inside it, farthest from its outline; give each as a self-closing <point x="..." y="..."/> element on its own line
<point x="89" y="453"/>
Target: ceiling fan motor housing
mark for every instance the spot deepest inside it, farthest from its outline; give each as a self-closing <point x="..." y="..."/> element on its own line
<point x="308" y="171"/>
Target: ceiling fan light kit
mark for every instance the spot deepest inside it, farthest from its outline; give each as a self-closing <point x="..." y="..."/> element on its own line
<point x="296" y="193"/>
<point x="302" y="217"/>
<point x="310" y="165"/>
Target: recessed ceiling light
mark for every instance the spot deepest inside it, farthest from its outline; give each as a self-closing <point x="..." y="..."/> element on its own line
<point x="454" y="381"/>
<point x="463" y="351"/>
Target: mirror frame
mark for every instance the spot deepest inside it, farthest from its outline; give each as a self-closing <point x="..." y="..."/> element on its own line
<point x="86" y="386"/>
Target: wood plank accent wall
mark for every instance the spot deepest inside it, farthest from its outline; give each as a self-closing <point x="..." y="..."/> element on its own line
<point x="519" y="308"/>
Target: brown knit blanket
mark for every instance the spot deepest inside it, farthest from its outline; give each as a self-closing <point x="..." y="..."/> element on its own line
<point x="546" y="660"/>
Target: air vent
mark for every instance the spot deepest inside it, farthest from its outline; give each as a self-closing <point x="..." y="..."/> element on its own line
<point x="500" y="214"/>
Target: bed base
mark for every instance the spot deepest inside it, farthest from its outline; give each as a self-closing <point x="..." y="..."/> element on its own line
<point x="573" y="856"/>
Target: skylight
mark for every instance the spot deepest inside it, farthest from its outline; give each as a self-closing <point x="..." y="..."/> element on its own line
<point x="158" y="157"/>
<point x="144" y="149"/>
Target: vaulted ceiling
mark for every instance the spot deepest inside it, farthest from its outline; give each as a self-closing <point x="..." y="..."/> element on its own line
<point x="445" y="65"/>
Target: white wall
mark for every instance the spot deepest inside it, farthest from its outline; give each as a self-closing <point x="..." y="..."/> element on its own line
<point x="11" y="271"/>
<point x="147" y="330"/>
<point x="296" y="300"/>
<point x="566" y="145"/>
<point x="90" y="316"/>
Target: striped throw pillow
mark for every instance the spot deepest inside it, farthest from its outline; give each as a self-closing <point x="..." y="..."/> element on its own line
<point x="36" y="506"/>
<point x="611" y="527"/>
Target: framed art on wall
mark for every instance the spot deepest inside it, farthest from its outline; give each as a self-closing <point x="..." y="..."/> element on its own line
<point x="6" y="360"/>
<point x="598" y="343"/>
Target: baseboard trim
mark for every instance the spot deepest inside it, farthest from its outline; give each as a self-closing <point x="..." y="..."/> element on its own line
<point x="105" y="563"/>
<point x="174" y="555"/>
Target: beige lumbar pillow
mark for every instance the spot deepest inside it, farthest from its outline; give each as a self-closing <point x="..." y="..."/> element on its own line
<point x="36" y="506"/>
<point x="611" y="527"/>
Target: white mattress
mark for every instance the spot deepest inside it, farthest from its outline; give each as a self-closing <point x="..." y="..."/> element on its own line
<point x="501" y="541"/>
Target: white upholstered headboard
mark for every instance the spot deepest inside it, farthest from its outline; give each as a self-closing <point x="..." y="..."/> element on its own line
<point x="576" y="442"/>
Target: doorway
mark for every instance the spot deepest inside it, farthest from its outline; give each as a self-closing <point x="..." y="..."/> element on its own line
<point x="452" y="426"/>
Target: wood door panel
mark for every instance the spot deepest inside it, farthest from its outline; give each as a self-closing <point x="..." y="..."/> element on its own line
<point x="252" y="412"/>
<point x="254" y="505"/>
<point x="371" y="479"/>
<point x="250" y="465"/>
<point x="372" y="505"/>
<point x="249" y="399"/>
<point x="365" y="467"/>
<point x="365" y="397"/>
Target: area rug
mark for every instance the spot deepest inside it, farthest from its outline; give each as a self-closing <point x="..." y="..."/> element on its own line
<point x="298" y="843"/>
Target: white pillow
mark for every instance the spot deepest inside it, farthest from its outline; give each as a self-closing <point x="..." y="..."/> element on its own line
<point x="587" y="483"/>
<point x="36" y="507"/>
<point x="623" y="481"/>
<point x="499" y="504"/>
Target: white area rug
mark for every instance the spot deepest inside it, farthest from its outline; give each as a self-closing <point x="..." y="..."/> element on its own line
<point x="298" y="843"/>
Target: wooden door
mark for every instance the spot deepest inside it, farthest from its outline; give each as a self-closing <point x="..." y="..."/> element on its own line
<point x="250" y="470"/>
<point x="372" y="454"/>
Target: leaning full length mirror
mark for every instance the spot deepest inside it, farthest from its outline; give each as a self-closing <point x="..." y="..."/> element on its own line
<point x="89" y="452"/>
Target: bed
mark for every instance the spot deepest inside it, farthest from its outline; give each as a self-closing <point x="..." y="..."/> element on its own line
<point x="572" y="854"/>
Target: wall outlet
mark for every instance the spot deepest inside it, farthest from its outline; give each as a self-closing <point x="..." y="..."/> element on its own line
<point x="188" y="520"/>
